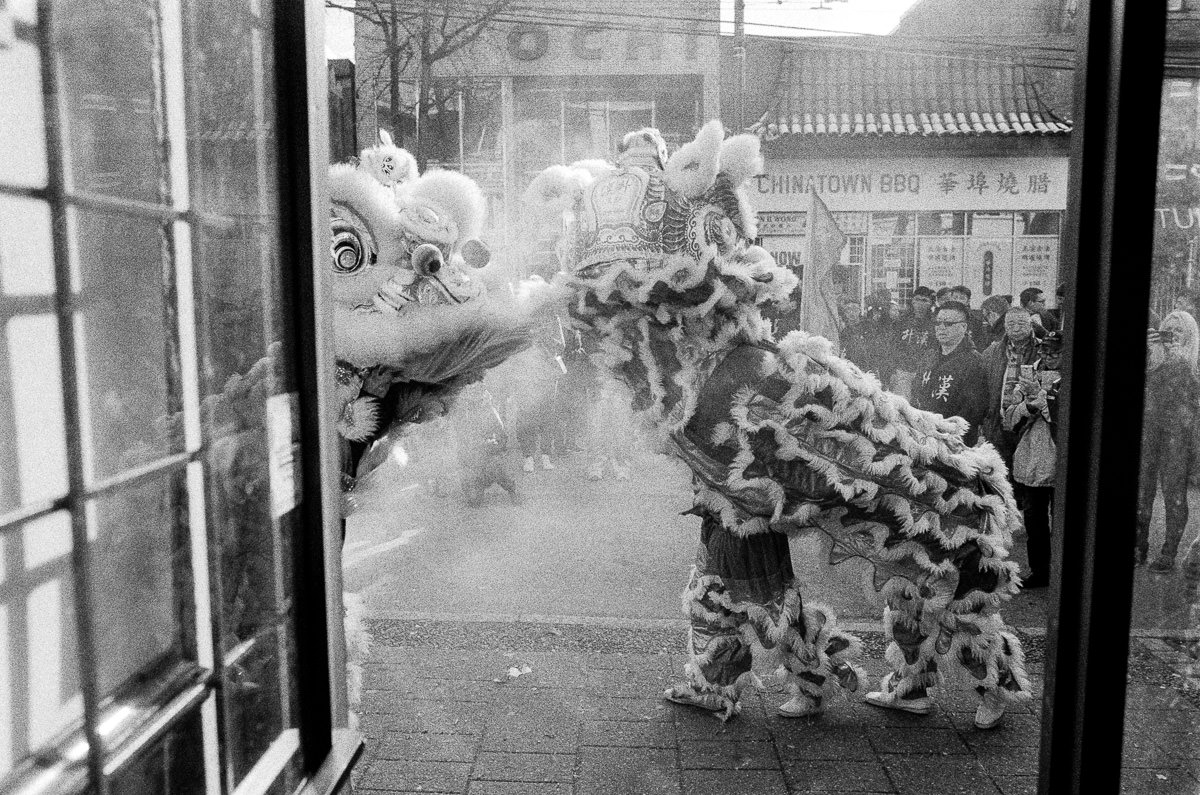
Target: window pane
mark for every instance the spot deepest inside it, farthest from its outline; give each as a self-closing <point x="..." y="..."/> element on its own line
<point x="22" y="123"/>
<point x="129" y="355"/>
<point x="39" y="686"/>
<point x="35" y="467"/>
<point x="110" y="52"/>
<point x="173" y="766"/>
<point x="1162" y="730"/>
<point x="26" y="248"/>
<point x="140" y="588"/>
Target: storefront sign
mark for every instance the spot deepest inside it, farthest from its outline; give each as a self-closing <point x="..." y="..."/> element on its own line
<point x="1035" y="263"/>
<point x="988" y="268"/>
<point x="995" y="183"/>
<point x="939" y="262"/>
<point x="782" y="223"/>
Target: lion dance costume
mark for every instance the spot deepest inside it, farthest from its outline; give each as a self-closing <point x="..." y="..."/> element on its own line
<point x="783" y="438"/>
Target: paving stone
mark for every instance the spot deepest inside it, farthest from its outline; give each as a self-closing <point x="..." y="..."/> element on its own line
<point x="878" y="716"/>
<point x="627" y="771"/>
<point x="887" y="740"/>
<point x="524" y="767"/>
<point x="434" y="717"/>
<point x="727" y="755"/>
<point x="532" y="737"/>
<point x="417" y="776"/>
<point x="815" y="744"/>
<point x="629" y="734"/>
<point x="729" y="782"/>
<point x="426" y="747"/>
<point x="696" y="724"/>
<point x="1139" y="696"/>
<point x="940" y="775"/>
<point x="516" y="788"/>
<point x="1145" y="781"/>
<point x="635" y="684"/>
<point x="842" y="776"/>
<point x="1018" y="759"/>
<point x="614" y="708"/>
<point x="429" y="690"/>
<point x="1016" y="785"/>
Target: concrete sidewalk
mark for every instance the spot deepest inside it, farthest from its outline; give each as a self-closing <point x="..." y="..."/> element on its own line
<point x="443" y="713"/>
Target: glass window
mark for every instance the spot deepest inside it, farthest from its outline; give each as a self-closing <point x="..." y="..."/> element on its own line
<point x="1161" y="726"/>
<point x="149" y="413"/>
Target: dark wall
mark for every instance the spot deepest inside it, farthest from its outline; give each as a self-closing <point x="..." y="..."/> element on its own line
<point x="342" y="126"/>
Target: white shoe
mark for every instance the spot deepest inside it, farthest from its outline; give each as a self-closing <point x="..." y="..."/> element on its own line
<point x="528" y="465"/>
<point x="989" y="714"/>
<point x="596" y="470"/>
<point x="888" y="698"/>
<point x="546" y="462"/>
<point x="621" y="470"/>
<point x="801" y="706"/>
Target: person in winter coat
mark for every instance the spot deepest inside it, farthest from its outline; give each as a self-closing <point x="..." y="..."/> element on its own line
<point x="1032" y="415"/>
<point x="1004" y="359"/>
<point x="872" y="342"/>
<point x="955" y="383"/>
<point x="482" y="447"/>
<point x="994" y="308"/>
<point x="1168" y="419"/>
<point x="915" y="342"/>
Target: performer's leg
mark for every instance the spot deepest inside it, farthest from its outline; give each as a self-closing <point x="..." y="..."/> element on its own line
<point x="744" y="607"/>
<point x="1174" y="462"/>
<point x="1147" y="486"/>
<point x="1037" y="529"/>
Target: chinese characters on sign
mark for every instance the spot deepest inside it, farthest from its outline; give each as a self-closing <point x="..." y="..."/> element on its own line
<point x="982" y="183"/>
<point x="940" y="262"/>
<point x="1035" y="263"/>
<point x="987" y="267"/>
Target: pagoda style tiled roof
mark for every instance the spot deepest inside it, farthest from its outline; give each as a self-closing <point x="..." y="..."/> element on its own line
<point x="844" y="89"/>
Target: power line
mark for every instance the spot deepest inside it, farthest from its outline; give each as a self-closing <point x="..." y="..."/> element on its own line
<point x="1047" y="62"/>
<point x="575" y="14"/>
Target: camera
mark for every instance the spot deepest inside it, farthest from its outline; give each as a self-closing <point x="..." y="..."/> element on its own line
<point x="1166" y="336"/>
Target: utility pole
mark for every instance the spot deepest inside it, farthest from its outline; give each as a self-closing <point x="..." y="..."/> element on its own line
<point x="739" y="55"/>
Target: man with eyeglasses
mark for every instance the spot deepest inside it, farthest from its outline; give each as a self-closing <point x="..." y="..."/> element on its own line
<point x="955" y="383"/>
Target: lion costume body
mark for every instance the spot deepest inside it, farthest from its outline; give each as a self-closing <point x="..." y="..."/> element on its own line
<point x="783" y="438"/>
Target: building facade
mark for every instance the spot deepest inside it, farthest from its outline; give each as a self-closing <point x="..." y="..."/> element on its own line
<point x="530" y="93"/>
<point x="942" y="168"/>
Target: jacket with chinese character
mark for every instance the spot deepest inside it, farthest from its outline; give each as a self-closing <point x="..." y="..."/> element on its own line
<point x="915" y="342"/>
<point x="955" y="385"/>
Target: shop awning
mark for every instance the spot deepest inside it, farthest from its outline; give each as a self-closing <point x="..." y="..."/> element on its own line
<point x="840" y="89"/>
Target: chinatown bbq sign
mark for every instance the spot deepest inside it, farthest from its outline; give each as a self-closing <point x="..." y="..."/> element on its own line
<point x="993" y="183"/>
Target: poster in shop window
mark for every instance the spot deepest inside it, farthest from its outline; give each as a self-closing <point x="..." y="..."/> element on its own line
<point x="788" y="251"/>
<point x="1035" y="264"/>
<point x="939" y="262"/>
<point x="988" y="268"/>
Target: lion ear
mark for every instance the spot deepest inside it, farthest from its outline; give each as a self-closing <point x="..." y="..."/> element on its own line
<point x="385" y="138"/>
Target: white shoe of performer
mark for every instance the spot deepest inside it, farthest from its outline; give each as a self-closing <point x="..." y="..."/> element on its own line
<point x="801" y="706"/>
<point x="528" y="465"/>
<point x="888" y="698"/>
<point x="546" y="462"/>
<point x="989" y="714"/>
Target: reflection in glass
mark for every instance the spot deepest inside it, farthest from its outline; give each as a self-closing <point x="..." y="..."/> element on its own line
<point x="1162" y="704"/>
<point x="39" y="686"/>
<point x="111" y="52"/>
<point x="128" y="353"/>
<point x="139" y="587"/>
<point x="173" y="766"/>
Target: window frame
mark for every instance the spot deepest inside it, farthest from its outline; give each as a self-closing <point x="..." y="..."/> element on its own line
<point x="1105" y="249"/>
<point x="144" y="711"/>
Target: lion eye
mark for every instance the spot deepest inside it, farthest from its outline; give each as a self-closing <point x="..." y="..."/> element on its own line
<point x="347" y="251"/>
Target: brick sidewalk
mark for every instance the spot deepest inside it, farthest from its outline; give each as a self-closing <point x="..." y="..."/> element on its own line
<point x="442" y="714"/>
